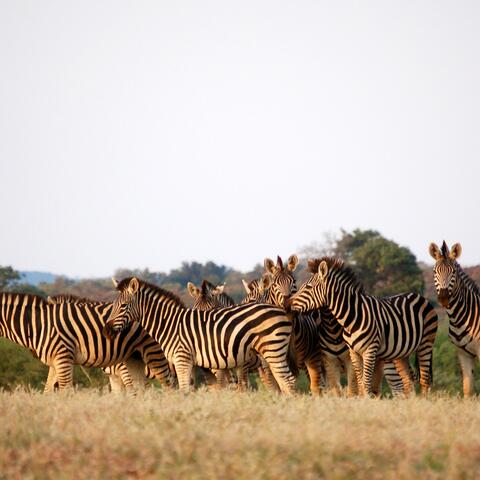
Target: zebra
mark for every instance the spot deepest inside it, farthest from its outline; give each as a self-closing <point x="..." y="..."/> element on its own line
<point x="65" y="334"/>
<point x="216" y="339"/>
<point x="209" y="296"/>
<point x="275" y="287"/>
<point x="386" y="329"/>
<point x="146" y="362"/>
<point x="460" y="296"/>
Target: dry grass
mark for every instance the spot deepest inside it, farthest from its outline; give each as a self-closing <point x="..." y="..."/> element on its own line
<point x="230" y="435"/>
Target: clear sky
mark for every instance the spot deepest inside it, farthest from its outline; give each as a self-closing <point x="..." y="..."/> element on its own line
<point x="141" y="134"/>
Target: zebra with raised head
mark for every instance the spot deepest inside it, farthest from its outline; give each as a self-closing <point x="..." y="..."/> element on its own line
<point x="65" y="334"/>
<point x="460" y="296"/>
<point x="147" y="361"/>
<point x="385" y="329"/>
<point x="215" y="339"/>
<point x="275" y="287"/>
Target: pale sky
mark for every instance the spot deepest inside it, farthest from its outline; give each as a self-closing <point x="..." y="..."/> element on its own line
<point x="141" y="134"/>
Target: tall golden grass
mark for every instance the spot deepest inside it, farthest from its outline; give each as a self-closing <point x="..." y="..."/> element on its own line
<point x="225" y="434"/>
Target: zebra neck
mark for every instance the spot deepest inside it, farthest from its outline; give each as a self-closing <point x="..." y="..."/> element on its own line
<point x="160" y="318"/>
<point x="345" y="304"/>
<point x="464" y="306"/>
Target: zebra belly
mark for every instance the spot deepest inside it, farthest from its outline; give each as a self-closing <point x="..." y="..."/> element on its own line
<point x="208" y="360"/>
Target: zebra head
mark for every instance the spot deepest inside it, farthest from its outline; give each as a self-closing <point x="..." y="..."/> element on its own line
<point x="125" y="308"/>
<point x="283" y="282"/>
<point x="312" y="294"/>
<point x="445" y="270"/>
<point x="208" y="296"/>
<point x="257" y="290"/>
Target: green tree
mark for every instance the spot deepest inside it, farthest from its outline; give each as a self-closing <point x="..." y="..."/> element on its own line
<point x="383" y="266"/>
<point x="8" y="277"/>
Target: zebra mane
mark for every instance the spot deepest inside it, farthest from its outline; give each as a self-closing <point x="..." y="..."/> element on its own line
<point x="335" y="263"/>
<point x="123" y="284"/>
<point x="444" y="250"/>
<point x="467" y="281"/>
<point x="21" y="296"/>
<point x="70" y="298"/>
<point x="206" y="287"/>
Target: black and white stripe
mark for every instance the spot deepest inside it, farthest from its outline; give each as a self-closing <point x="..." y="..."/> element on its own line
<point x="215" y="339"/>
<point x="275" y="287"/>
<point x="64" y="334"/>
<point x="374" y="328"/>
<point x="460" y="296"/>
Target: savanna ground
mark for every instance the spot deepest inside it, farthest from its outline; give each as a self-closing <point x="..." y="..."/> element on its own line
<point x="225" y="434"/>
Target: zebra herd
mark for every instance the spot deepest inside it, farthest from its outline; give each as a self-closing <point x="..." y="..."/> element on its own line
<point x="327" y="326"/>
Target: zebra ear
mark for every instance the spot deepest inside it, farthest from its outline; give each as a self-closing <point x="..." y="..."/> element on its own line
<point x="193" y="290"/>
<point x="218" y="290"/>
<point x="323" y="269"/>
<point x="265" y="282"/>
<point x="455" y="251"/>
<point x="246" y="286"/>
<point x="133" y="286"/>
<point x="115" y="282"/>
<point x="269" y="265"/>
<point x="434" y="251"/>
<point x="292" y="262"/>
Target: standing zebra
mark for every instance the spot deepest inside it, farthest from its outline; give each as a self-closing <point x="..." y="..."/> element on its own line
<point x="148" y="361"/>
<point x="216" y="339"/>
<point x="65" y="334"/>
<point x="460" y="296"/>
<point x="209" y="296"/>
<point x="374" y="328"/>
<point x="275" y="287"/>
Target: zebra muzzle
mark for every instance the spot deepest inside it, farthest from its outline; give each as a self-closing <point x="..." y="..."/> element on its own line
<point x="443" y="297"/>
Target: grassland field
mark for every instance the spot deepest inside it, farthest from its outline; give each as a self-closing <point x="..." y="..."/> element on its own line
<point x="227" y="434"/>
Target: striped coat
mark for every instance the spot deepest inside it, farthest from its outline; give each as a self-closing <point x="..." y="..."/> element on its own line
<point x="215" y="339"/>
<point x="388" y="329"/>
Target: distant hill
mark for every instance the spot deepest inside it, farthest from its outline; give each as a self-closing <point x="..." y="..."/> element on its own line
<point x="34" y="278"/>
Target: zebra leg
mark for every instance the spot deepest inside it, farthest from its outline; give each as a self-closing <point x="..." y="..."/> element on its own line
<point x="136" y="368"/>
<point x="221" y="378"/>
<point x="402" y="366"/>
<point x="51" y="380"/>
<point x="369" y="359"/>
<point x="126" y="379"/>
<point x="332" y="370"/>
<point x="267" y="377"/>
<point x="116" y="384"/>
<point x="242" y="378"/>
<point x="158" y="367"/>
<point x="183" y="367"/>
<point x="377" y="378"/>
<point x="352" y="383"/>
<point x="466" y="364"/>
<point x="315" y="368"/>
<point x="357" y="365"/>
<point x="64" y="370"/>
<point x="393" y="378"/>
<point x="283" y="376"/>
